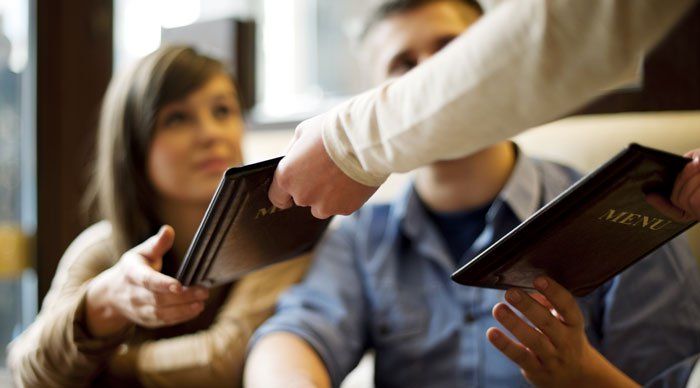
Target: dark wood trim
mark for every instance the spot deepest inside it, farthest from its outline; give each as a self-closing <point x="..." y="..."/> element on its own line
<point x="74" y="65"/>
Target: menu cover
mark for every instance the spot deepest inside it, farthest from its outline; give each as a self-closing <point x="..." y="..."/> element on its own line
<point x="242" y="231"/>
<point x="589" y="233"/>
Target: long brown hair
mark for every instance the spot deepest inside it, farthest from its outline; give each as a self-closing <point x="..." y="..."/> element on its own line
<point x="120" y="191"/>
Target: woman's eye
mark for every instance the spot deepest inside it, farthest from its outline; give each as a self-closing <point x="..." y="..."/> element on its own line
<point x="222" y="111"/>
<point x="174" y="118"/>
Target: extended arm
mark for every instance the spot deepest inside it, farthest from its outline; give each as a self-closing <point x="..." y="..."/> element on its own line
<point x="523" y="64"/>
<point x="283" y="360"/>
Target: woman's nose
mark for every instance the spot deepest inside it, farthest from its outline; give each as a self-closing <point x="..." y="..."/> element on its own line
<point x="208" y="128"/>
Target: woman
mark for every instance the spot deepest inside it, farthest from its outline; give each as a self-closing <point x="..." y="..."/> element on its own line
<point x="114" y="315"/>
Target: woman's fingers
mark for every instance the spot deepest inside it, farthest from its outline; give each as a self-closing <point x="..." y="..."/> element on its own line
<point x="144" y="296"/>
<point x="513" y="350"/>
<point x="141" y="264"/>
<point x="152" y="316"/>
<point x="534" y="340"/>
<point x="140" y="274"/>
<point x="561" y="299"/>
<point x="158" y="245"/>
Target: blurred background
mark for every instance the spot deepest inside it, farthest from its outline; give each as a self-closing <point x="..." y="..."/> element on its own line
<point x="292" y="58"/>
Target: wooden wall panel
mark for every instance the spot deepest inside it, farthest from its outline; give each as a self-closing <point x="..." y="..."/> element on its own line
<point x="74" y="64"/>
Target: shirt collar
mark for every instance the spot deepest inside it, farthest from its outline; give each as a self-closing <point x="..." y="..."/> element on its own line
<point x="522" y="193"/>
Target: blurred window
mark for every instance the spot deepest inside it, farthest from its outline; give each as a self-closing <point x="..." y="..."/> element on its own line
<point x="17" y="170"/>
<point x="304" y="48"/>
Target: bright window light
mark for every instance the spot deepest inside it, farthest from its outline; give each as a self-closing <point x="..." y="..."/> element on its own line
<point x="138" y="30"/>
<point x="179" y="13"/>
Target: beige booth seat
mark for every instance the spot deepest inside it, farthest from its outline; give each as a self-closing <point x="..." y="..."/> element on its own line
<point x="587" y="141"/>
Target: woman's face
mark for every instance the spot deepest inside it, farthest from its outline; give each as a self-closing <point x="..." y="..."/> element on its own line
<point x="195" y="140"/>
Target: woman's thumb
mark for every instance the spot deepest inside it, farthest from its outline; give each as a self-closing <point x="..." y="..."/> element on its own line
<point x="158" y="245"/>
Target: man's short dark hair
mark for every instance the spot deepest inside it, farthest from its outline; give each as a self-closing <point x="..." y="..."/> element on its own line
<point x="393" y="7"/>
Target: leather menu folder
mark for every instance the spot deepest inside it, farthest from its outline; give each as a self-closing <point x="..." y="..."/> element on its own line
<point x="589" y="233"/>
<point x="242" y="231"/>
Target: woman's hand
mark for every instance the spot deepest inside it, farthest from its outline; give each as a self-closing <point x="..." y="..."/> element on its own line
<point x="134" y="291"/>
<point x="555" y="352"/>
<point x="684" y="204"/>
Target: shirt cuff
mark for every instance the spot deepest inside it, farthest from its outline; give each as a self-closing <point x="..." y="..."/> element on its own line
<point x="87" y="343"/>
<point x="340" y="150"/>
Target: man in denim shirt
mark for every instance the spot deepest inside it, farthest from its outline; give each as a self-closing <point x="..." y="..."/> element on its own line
<point x="381" y="281"/>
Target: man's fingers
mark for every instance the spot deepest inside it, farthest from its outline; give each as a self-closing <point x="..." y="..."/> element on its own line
<point x="513" y="350"/>
<point x="539" y="315"/>
<point x="665" y="207"/>
<point x="277" y="193"/>
<point x="541" y="299"/>
<point x="297" y="135"/>
<point x="561" y="299"/>
<point x="689" y="197"/>
<point x="690" y="170"/>
<point x="537" y="342"/>
<point x="318" y="213"/>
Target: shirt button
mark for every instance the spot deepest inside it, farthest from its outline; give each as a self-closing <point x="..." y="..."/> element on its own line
<point x="469" y="318"/>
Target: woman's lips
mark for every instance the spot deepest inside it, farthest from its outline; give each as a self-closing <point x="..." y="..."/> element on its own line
<point x="213" y="165"/>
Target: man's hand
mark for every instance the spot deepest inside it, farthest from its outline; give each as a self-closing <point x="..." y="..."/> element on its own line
<point x="307" y="176"/>
<point x="554" y="351"/>
<point x="684" y="204"/>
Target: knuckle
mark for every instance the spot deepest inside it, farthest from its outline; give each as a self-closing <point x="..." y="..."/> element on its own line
<point x="134" y="300"/>
<point x="157" y="300"/>
<point x="322" y="212"/>
<point x="539" y="344"/>
<point x="316" y="212"/>
<point x="695" y="215"/>
<point x="129" y="277"/>
<point x="150" y="323"/>
<point x="693" y="168"/>
<point x="519" y="356"/>
<point x="303" y="199"/>
<point x="158" y="314"/>
<point x="545" y="324"/>
<point x="145" y="313"/>
<point x="345" y="211"/>
<point x="524" y="306"/>
<point x="284" y="181"/>
<point x="694" y="201"/>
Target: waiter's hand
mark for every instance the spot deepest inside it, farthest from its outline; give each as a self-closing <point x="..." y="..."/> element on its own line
<point x="684" y="203"/>
<point x="307" y="176"/>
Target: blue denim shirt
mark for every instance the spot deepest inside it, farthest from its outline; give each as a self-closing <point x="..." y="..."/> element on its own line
<point x="679" y="375"/>
<point x="382" y="281"/>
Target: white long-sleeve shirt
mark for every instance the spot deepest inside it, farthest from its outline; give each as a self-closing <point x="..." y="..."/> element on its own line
<point x="524" y="63"/>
